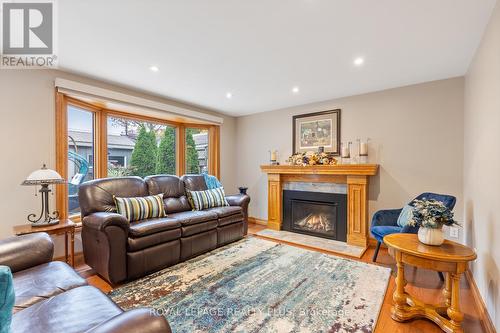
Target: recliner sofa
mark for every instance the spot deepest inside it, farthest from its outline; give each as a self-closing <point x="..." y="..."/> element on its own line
<point x="52" y="297"/>
<point x="119" y="251"/>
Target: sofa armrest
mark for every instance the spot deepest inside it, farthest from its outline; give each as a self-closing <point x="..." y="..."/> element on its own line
<point x="104" y="240"/>
<point x="241" y="200"/>
<point x="137" y="320"/>
<point x="101" y="220"/>
<point x="25" y="251"/>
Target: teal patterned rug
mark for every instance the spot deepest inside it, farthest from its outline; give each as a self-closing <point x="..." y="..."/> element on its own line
<point x="256" y="285"/>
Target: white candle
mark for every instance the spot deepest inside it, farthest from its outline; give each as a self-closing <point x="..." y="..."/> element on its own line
<point x="273" y="156"/>
<point x="363" y="148"/>
<point x="345" y="151"/>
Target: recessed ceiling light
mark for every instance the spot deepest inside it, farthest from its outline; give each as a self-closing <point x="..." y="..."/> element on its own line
<point x="295" y="90"/>
<point x="229" y="95"/>
<point x="359" y="61"/>
<point x="154" y="68"/>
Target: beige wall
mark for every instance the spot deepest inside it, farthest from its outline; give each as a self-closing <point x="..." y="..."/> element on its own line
<point x="27" y="110"/>
<point x="416" y="136"/>
<point x="482" y="165"/>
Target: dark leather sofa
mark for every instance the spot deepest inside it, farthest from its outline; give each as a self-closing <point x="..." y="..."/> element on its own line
<point x="52" y="297"/>
<point x="118" y="250"/>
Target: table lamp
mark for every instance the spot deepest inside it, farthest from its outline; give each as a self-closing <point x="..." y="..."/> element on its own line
<point x="44" y="177"/>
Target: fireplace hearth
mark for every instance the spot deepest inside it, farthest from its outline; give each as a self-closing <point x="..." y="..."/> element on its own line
<point x="314" y="213"/>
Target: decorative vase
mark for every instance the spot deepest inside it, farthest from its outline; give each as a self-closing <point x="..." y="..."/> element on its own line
<point x="431" y="236"/>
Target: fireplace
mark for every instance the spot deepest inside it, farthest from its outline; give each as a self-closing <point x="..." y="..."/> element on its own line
<point x="314" y="213"/>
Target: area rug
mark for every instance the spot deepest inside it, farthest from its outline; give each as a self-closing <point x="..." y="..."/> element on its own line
<point x="256" y="285"/>
<point x="314" y="242"/>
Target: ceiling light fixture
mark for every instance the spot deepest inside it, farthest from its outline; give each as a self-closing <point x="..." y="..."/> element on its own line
<point x="154" y="68"/>
<point x="359" y="61"/>
<point x="229" y="95"/>
<point x="295" y="90"/>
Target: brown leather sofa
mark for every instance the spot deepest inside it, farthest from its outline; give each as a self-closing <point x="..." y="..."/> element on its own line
<point x="52" y="297"/>
<point x="118" y="250"/>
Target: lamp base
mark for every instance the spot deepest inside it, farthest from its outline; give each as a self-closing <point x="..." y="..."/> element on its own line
<point x="42" y="224"/>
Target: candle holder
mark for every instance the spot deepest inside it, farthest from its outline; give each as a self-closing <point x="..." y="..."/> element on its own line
<point x="363" y="151"/>
<point x="273" y="157"/>
<point x="345" y="152"/>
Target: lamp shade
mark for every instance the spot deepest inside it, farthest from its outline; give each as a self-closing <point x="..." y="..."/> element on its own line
<point x="43" y="176"/>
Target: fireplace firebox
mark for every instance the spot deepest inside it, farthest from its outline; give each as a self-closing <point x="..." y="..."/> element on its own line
<point x="315" y="213"/>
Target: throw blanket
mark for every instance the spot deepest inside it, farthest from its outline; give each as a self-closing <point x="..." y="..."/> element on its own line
<point x="7" y="298"/>
<point x="211" y="181"/>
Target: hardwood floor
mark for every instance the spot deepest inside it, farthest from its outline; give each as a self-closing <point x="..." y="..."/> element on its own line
<point x="423" y="284"/>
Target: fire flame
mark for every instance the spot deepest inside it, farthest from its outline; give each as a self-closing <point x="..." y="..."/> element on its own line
<point x="316" y="222"/>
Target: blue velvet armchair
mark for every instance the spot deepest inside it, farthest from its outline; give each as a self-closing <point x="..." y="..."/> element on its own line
<point x="384" y="222"/>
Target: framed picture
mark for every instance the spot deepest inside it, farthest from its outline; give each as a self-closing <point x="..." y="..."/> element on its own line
<point x="314" y="130"/>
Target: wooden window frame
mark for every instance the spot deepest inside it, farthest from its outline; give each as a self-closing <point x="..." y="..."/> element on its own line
<point x="100" y="118"/>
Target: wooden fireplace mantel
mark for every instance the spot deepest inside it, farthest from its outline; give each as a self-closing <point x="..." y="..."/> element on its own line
<point x="356" y="177"/>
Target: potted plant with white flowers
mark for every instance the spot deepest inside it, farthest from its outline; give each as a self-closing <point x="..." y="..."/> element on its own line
<point x="430" y="216"/>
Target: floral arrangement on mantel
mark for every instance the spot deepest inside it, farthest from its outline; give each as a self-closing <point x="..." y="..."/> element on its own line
<point x="312" y="158"/>
<point x="430" y="216"/>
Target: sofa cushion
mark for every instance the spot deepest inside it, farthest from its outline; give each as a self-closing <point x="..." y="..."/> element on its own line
<point x="201" y="200"/>
<point x="193" y="217"/>
<point x="175" y="205"/>
<point x="230" y="219"/>
<point x="194" y="229"/>
<point x="226" y="211"/>
<point x="194" y="182"/>
<point x="97" y="195"/>
<point x="76" y="310"/>
<point x="151" y="226"/>
<point x="174" y="195"/>
<point x="140" y="243"/>
<point x="43" y="281"/>
<point x="140" y="208"/>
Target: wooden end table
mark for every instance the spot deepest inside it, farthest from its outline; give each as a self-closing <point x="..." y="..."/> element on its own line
<point x="64" y="226"/>
<point x="451" y="258"/>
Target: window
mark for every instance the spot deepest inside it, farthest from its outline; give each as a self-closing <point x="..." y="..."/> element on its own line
<point x="80" y="160"/>
<point x="197" y="150"/>
<point x="93" y="142"/>
<point x="140" y="148"/>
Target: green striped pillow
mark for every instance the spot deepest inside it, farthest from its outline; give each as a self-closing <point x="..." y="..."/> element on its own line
<point x="200" y="200"/>
<point x="140" y="208"/>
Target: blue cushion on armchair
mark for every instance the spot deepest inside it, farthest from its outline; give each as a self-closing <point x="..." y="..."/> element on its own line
<point x="7" y="299"/>
<point x="405" y="216"/>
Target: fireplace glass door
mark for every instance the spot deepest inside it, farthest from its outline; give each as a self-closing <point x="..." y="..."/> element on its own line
<point x="314" y="217"/>
<point x="315" y="213"/>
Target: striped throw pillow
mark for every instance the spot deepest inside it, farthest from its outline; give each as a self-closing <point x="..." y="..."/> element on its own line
<point x="200" y="200"/>
<point x="140" y="208"/>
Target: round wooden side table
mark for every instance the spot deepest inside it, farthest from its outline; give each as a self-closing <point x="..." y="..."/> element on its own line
<point x="450" y="258"/>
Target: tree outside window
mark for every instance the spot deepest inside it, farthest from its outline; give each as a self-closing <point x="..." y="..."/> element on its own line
<point x="196" y="150"/>
<point x="138" y="148"/>
<point x="165" y="162"/>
